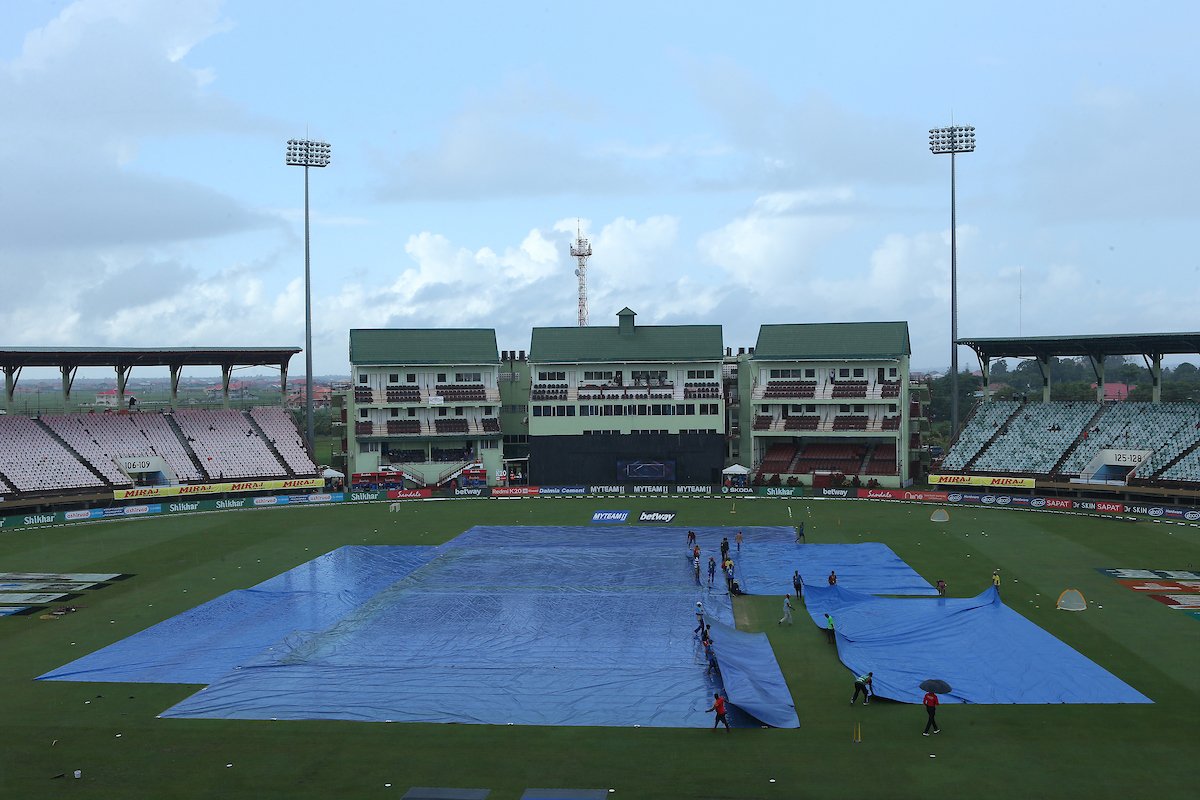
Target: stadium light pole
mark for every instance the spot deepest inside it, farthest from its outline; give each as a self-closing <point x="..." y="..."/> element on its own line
<point x="306" y="153"/>
<point x="953" y="140"/>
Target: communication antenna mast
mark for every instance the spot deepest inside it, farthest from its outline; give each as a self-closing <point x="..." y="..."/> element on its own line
<point x="581" y="250"/>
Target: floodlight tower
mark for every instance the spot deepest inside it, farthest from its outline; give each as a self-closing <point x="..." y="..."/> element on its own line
<point x="582" y="251"/>
<point x="306" y="153"/>
<point x="954" y="139"/>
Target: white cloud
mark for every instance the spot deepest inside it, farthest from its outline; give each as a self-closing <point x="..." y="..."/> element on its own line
<point x="779" y="238"/>
<point x="80" y="98"/>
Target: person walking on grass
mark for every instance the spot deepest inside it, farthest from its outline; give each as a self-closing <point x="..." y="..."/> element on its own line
<point x="862" y="684"/>
<point x="787" y="610"/>
<point x="931" y="704"/>
<point x="798" y="584"/>
<point x="718" y="705"/>
<point x="996" y="580"/>
<point x="829" y="632"/>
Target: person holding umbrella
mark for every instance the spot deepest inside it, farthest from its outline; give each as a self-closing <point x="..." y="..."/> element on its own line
<point x="931" y="704"/>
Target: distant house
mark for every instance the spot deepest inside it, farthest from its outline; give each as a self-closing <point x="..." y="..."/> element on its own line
<point x="108" y="398"/>
<point x="238" y="389"/>
<point x="322" y="396"/>
<point x="1116" y="392"/>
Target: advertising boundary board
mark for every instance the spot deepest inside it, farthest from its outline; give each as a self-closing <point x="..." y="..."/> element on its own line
<point x="1178" y="515"/>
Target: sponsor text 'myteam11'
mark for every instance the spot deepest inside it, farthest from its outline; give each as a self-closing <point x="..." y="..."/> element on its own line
<point x="610" y="517"/>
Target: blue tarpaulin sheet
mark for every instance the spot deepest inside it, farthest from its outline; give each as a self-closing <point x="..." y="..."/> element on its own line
<point x="204" y="643"/>
<point x="752" y="677"/>
<point x="546" y="626"/>
<point x="984" y="650"/>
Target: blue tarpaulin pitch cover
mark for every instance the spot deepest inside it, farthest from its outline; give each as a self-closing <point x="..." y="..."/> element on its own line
<point x="545" y="626"/>
<point x="202" y="644"/>
<point x="987" y="652"/>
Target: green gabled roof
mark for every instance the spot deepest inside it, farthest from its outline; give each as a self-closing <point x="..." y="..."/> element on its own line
<point x="607" y="344"/>
<point x="833" y="340"/>
<point x="402" y="346"/>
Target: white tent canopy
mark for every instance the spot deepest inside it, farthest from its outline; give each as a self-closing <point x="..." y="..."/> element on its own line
<point x="735" y="469"/>
<point x="329" y="472"/>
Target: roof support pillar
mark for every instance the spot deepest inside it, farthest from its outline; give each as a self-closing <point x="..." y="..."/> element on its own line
<point x="283" y="395"/>
<point x="68" y="380"/>
<point x="985" y="369"/>
<point x="1098" y="368"/>
<point x="11" y="375"/>
<point x="176" y="371"/>
<point x="122" y="379"/>
<point x="226" y="373"/>
<point x="1043" y="363"/>
<point x="1154" y="364"/>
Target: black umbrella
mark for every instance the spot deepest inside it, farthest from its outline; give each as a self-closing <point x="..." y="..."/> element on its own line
<point x="936" y="686"/>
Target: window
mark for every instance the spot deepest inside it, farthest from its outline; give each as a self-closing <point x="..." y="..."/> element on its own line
<point x="649" y="377"/>
<point x="368" y="447"/>
<point x="412" y="412"/>
<point x="690" y="409"/>
<point x="700" y="374"/>
<point x="810" y="409"/>
<point x="489" y="444"/>
<point x="844" y="409"/>
<point x="858" y="409"/>
<point x="680" y="409"/>
<point x="810" y="373"/>
<point x="598" y="375"/>
<point x="552" y="376"/>
<point x="516" y="438"/>
<point x="844" y="372"/>
<point x="570" y="411"/>
<point x="441" y="378"/>
<point x="858" y="372"/>
<point x="442" y="411"/>
<point x="411" y="377"/>
<point x="395" y="412"/>
<point x="585" y="411"/>
<point x="560" y="411"/>
<point x="487" y="411"/>
<point x="518" y="408"/>
<point x="362" y="413"/>
<point x="458" y="411"/>
<point x="362" y="379"/>
<point x="537" y="411"/>
<point x="891" y="408"/>
<point x="468" y="377"/>
<point x="709" y="408"/>
<point x="891" y="372"/>
<point x="393" y="377"/>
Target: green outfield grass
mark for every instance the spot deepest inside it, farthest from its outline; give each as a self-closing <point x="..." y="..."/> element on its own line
<point x="50" y="728"/>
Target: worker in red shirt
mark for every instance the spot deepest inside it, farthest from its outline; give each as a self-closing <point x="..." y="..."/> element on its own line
<point x="718" y="705"/>
<point x="931" y="704"/>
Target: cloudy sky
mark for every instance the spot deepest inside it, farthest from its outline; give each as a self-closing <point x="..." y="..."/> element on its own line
<point x="730" y="166"/>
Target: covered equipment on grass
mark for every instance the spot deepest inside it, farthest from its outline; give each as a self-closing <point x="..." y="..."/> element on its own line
<point x="939" y="515"/>
<point x="1072" y="600"/>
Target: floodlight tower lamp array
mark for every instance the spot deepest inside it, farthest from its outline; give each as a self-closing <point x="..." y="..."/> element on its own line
<point x="308" y="153"/>
<point x="953" y="139"/>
